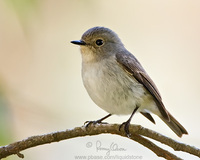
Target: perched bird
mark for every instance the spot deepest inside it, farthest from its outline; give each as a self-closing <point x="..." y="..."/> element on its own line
<point x="116" y="81"/>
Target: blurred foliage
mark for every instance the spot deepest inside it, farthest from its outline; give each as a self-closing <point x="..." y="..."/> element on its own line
<point x="24" y="9"/>
<point x="5" y="118"/>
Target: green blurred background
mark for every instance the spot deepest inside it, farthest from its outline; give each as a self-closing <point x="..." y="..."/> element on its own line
<point x="40" y="71"/>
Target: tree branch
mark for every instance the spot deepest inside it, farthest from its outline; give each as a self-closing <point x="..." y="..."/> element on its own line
<point x="138" y="134"/>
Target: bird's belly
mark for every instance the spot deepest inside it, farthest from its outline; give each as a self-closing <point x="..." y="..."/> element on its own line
<point x="114" y="90"/>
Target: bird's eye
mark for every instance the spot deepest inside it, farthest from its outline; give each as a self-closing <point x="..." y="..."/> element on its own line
<point x="99" y="42"/>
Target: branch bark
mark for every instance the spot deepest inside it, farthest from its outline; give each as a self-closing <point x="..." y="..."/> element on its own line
<point x="138" y="134"/>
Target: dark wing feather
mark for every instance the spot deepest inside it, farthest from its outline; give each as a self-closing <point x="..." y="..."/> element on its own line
<point x="148" y="116"/>
<point x="131" y="65"/>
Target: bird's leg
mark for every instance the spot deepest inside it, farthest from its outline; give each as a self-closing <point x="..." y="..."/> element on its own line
<point x="87" y="123"/>
<point x="127" y="123"/>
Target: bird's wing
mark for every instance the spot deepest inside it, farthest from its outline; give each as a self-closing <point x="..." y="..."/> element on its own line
<point x="131" y="65"/>
<point x="148" y="116"/>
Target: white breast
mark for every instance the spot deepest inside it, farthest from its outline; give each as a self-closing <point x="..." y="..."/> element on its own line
<point x="111" y="88"/>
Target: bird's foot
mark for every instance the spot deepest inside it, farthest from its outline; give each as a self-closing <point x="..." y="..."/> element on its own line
<point x="127" y="123"/>
<point x="87" y="123"/>
<point x="126" y="128"/>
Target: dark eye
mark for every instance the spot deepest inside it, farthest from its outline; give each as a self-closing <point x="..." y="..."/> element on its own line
<point x="99" y="42"/>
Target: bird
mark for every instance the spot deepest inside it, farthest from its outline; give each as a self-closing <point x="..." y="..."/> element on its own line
<point x="116" y="81"/>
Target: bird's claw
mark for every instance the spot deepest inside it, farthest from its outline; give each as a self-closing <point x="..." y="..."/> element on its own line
<point x="126" y="128"/>
<point x="87" y="123"/>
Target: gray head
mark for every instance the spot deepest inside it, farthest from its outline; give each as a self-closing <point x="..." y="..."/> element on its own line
<point x="99" y="42"/>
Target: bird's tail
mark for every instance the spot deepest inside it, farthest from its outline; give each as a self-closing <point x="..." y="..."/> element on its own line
<point x="175" y="125"/>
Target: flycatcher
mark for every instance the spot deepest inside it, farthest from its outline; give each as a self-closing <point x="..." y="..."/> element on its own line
<point x="116" y="81"/>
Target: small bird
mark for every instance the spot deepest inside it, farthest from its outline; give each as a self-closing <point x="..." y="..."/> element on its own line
<point x="116" y="81"/>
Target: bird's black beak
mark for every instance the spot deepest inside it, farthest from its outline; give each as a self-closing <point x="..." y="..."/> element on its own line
<point x="78" y="42"/>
